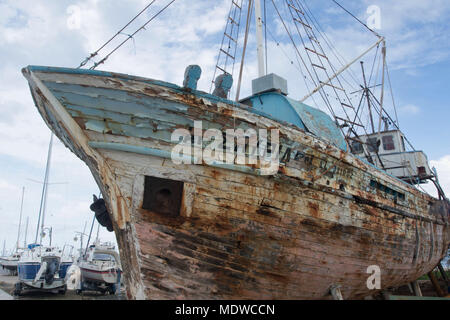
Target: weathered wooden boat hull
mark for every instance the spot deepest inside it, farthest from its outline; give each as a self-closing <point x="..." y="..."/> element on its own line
<point x="322" y="220"/>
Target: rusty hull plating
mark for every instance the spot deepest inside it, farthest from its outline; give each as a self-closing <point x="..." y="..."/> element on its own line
<point x="230" y="233"/>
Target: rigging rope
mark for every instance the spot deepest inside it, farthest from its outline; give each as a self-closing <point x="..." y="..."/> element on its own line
<point x="365" y="25"/>
<point x="131" y="36"/>
<point x="82" y="64"/>
<point x="328" y="42"/>
<point x="312" y="36"/>
<point x="247" y="28"/>
<point x="392" y="94"/>
<point x="232" y="33"/>
<point x="300" y="56"/>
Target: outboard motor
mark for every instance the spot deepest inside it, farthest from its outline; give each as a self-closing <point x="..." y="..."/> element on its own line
<point x="101" y="213"/>
<point x="52" y="269"/>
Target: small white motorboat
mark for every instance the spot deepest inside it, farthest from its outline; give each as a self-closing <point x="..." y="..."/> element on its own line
<point x="100" y="269"/>
<point x="10" y="262"/>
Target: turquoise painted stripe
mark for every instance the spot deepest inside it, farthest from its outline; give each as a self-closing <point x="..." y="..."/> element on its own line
<point x="166" y="155"/>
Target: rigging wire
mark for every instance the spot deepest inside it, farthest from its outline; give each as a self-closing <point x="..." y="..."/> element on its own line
<point x="229" y="33"/>
<point x="337" y="96"/>
<point x="392" y="94"/>
<point x="301" y="58"/>
<point x="312" y="20"/>
<point x="291" y="61"/>
<point x="82" y="64"/>
<point x="373" y="65"/>
<point x="131" y="36"/>
<point x="365" y="25"/>
<point x="408" y="168"/>
<point x="328" y="42"/>
<point x="247" y="28"/>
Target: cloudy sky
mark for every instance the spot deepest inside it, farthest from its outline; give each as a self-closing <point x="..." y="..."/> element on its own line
<point x="63" y="33"/>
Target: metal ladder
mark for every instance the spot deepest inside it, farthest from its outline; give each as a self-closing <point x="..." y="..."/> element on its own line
<point x="227" y="53"/>
<point x="321" y="66"/>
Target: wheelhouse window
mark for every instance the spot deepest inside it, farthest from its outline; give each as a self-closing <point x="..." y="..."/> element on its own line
<point x="388" y="143"/>
<point x="373" y="144"/>
<point x="357" y="147"/>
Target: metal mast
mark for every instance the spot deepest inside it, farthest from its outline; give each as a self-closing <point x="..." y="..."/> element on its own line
<point x="98" y="231"/>
<point x="259" y="39"/>
<point x="383" y="51"/>
<point x="44" y="193"/>
<point x="26" y="234"/>
<point x="366" y="93"/>
<point x="20" y="220"/>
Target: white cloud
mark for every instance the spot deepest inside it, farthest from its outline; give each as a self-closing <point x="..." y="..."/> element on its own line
<point x="442" y="166"/>
<point x="409" y="109"/>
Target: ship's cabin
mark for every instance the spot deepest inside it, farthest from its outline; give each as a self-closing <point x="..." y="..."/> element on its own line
<point x="270" y="98"/>
<point x="387" y="151"/>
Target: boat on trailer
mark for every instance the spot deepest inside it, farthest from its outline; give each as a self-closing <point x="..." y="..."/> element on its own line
<point x="43" y="269"/>
<point x="40" y="267"/>
<point x="100" y="269"/>
<point x="199" y="229"/>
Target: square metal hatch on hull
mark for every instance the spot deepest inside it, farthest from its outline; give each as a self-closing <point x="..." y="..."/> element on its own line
<point x="163" y="196"/>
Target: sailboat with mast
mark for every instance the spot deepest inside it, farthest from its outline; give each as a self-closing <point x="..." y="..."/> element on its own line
<point x="42" y="267"/>
<point x="340" y="199"/>
<point x="10" y="262"/>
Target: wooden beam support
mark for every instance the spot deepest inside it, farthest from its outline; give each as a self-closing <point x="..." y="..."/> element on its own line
<point x="435" y="283"/>
<point x="444" y="275"/>
<point x="416" y="289"/>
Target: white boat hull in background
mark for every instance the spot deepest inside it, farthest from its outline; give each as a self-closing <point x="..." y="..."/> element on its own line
<point x="99" y="275"/>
